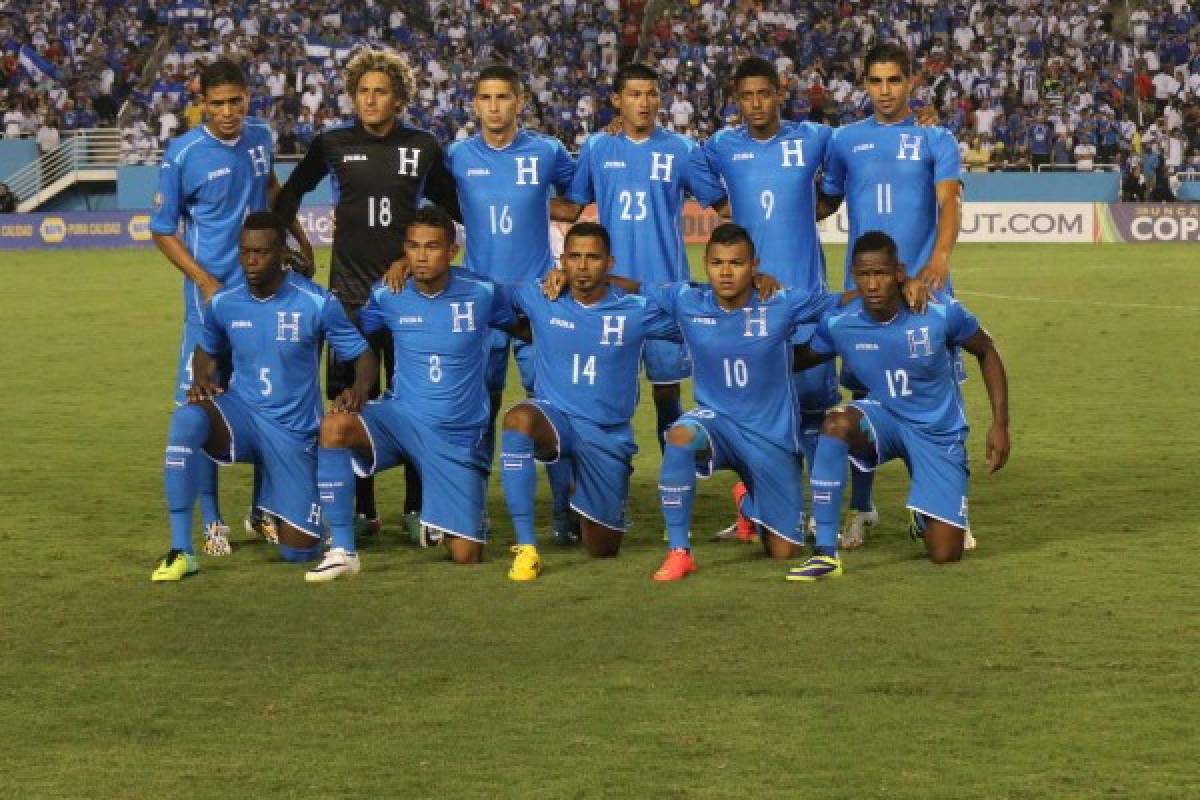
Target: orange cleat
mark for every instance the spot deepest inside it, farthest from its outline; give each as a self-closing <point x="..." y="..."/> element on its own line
<point x="677" y="566"/>
<point x="744" y="527"/>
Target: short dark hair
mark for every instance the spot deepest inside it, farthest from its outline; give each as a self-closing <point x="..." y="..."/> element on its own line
<point x="266" y="221"/>
<point x="888" y="53"/>
<point x="634" y="71"/>
<point x="755" y="67"/>
<point x="594" y="229"/>
<point x="434" y="217"/>
<point x="876" y="242"/>
<point x="500" y="72"/>
<point x="730" y="233"/>
<point x="221" y="72"/>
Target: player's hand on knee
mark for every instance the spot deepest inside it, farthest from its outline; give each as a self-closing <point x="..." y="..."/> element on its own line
<point x="766" y="285"/>
<point x="916" y="294"/>
<point x="998" y="446"/>
<point x="396" y="275"/>
<point x="350" y="401"/>
<point x="554" y="283"/>
<point x="203" y="389"/>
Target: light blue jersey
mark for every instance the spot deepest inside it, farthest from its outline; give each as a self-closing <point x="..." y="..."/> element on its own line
<point x="907" y="363"/>
<point x="276" y="348"/>
<point x="743" y="358"/>
<point x="441" y="343"/>
<point x="638" y="188"/>
<point x="210" y="186"/>
<point x="889" y="175"/>
<point x="772" y="194"/>
<point x="504" y="195"/>
<point x="587" y="357"/>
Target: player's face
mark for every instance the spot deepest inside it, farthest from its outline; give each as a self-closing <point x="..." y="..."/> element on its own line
<point x="758" y="102"/>
<point x="225" y="107"/>
<point x="497" y="104"/>
<point x="586" y="262"/>
<point x="731" y="270"/>
<point x="375" y="99"/>
<point x="427" y="252"/>
<point x="638" y="103"/>
<point x="889" y="89"/>
<point x="877" y="278"/>
<point x="261" y="257"/>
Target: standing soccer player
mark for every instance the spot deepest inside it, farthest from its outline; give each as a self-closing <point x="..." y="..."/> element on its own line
<point x="901" y="179"/>
<point x="211" y="178"/>
<point x="381" y="170"/>
<point x="745" y="419"/>
<point x="913" y="409"/>
<point x="437" y="413"/>
<point x="587" y="357"/>
<point x="638" y="179"/>
<point x="272" y="327"/>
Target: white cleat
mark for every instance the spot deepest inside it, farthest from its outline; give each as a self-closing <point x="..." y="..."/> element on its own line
<point x="968" y="540"/>
<point x="216" y="539"/>
<point x="810" y="528"/>
<point x="854" y="532"/>
<point x="337" y="562"/>
<point x="723" y="535"/>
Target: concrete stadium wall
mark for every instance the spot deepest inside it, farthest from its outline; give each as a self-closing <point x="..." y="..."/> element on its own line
<point x="136" y="186"/>
<point x="1049" y="187"/>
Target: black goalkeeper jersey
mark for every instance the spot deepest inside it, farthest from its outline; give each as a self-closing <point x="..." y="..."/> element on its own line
<point x="378" y="183"/>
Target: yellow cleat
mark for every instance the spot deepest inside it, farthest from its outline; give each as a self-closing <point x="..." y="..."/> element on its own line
<point x="527" y="564"/>
<point x="175" y="566"/>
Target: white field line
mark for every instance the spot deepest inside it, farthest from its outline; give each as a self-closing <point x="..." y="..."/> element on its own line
<point x="1072" y="302"/>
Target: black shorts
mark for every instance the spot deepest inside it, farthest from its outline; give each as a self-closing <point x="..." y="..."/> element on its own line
<point x="339" y="375"/>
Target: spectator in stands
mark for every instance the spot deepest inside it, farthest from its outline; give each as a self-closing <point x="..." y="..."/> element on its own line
<point x="8" y="201"/>
<point x="1061" y="154"/>
<point x="1085" y="156"/>
<point x="1133" y="185"/>
<point x="47" y="136"/>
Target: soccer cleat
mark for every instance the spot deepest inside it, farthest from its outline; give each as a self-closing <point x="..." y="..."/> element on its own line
<point x="527" y="564"/>
<point x="677" y="566"/>
<point x="175" y="566"/>
<point x="216" y="539"/>
<point x="337" y="562"/>
<point x="745" y="529"/>
<point x="566" y="529"/>
<point x="365" y="526"/>
<point x="968" y="539"/>
<point x="916" y="526"/>
<point x="412" y="526"/>
<point x="815" y="569"/>
<point x="263" y="526"/>
<point x="810" y="530"/>
<point x="854" y="532"/>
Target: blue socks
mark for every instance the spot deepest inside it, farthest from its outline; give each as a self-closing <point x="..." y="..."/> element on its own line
<point x="677" y="493"/>
<point x="183" y="470"/>
<point x="518" y="476"/>
<point x="862" y="485"/>
<point x="335" y="486"/>
<point x="559" y="476"/>
<point x="827" y="478"/>
<point x="666" y="412"/>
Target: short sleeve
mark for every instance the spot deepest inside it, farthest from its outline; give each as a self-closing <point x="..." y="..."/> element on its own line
<point x="212" y="335"/>
<point x="340" y="332"/>
<point x="805" y="309"/>
<point x="833" y="178"/>
<point x="168" y="201"/>
<point x="503" y="314"/>
<point x="664" y="297"/>
<point x="961" y="324"/>
<point x="947" y="163"/>
<point x="564" y="168"/>
<point x="581" y="190"/>
<point x="370" y="317"/>
<point x="704" y="179"/>
<point x="821" y="342"/>
<point x="660" y="324"/>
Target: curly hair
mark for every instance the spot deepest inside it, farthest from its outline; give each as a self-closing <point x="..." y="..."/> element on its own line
<point x="386" y="61"/>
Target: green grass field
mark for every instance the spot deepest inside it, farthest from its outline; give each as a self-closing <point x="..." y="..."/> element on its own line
<point x="1057" y="661"/>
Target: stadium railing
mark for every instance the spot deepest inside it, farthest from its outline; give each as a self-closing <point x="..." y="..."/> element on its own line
<point x="88" y="155"/>
<point x="1075" y="168"/>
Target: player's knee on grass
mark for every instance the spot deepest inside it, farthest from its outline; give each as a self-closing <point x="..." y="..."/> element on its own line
<point x="778" y="547"/>
<point x="681" y="436"/>
<point x="295" y="538"/>
<point x="463" y="551"/>
<point x="528" y="421"/>
<point x="840" y="423"/>
<point x="600" y="541"/>
<point x="943" y="541"/>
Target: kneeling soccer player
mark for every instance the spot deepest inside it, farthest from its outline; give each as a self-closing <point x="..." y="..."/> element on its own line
<point x="273" y="327"/>
<point x="587" y="355"/>
<point x="746" y="419"/>
<point x="437" y="412"/>
<point x="913" y="409"/>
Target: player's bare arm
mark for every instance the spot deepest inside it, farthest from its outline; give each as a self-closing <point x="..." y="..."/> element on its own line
<point x="949" y="200"/>
<point x="204" y="381"/>
<point x="366" y="372"/>
<point x="170" y="246"/>
<point x="804" y="357"/>
<point x="827" y="204"/>
<point x="562" y="210"/>
<point x="306" y="264"/>
<point x="995" y="379"/>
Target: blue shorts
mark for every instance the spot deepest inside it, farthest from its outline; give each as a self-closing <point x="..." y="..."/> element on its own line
<point x="937" y="467"/>
<point x="451" y="464"/>
<point x="497" y="365"/>
<point x="601" y="458"/>
<point x="192" y="331"/>
<point x="287" y="463"/>
<point x="772" y="474"/>
<point x="666" y="362"/>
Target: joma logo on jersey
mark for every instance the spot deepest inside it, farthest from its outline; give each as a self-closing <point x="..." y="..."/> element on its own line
<point x="756" y="320"/>
<point x="613" y="325"/>
<point x="478" y="172"/>
<point x="407" y="161"/>
<point x="525" y="170"/>
<point x="918" y="343"/>
<point x="859" y="148"/>
<point x="462" y="319"/>
<point x="354" y="157"/>
<point x="562" y="323"/>
<point x="743" y="156"/>
<point x="910" y="147"/>
<point x="866" y="346"/>
<point x="219" y="173"/>
<point x="285" y="330"/>
<point x="613" y="165"/>
<point x="241" y="323"/>
<point x="704" y="321"/>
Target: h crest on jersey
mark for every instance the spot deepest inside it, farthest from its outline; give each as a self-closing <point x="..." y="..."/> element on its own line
<point x="756" y="321"/>
<point x="793" y="152"/>
<point x="660" y="166"/>
<point x="462" y="316"/>
<point x="910" y="147"/>
<point x="613" y="325"/>
<point x="527" y="170"/>
<point x="918" y="343"/>
<point x="285" y="330"/>
<point x="407" y="161"/>
<point x="258" y="157"/>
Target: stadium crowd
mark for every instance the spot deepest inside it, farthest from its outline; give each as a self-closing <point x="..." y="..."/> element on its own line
<point x="1064" y="84"/>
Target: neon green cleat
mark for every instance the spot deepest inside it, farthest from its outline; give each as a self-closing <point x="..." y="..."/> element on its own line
<point x="815" y="569"/>
<point x="175" y="566"/>
<point x="527" y="564"/>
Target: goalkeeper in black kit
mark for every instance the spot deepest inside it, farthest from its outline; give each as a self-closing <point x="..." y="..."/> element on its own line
<point x="381" y="170"/>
